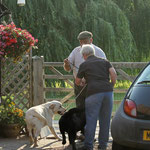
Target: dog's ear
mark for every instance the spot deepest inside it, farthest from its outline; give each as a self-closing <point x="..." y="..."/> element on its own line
<point x="52" y="106"/>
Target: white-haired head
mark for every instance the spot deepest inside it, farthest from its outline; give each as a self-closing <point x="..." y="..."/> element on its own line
<point x="87" y="50"/>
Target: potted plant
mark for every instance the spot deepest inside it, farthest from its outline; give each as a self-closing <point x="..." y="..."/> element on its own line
<point x="14" y="42"/>
<point x="12" y="119"/>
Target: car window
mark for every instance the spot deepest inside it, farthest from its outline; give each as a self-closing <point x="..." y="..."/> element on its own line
<point x="144" y="78"/>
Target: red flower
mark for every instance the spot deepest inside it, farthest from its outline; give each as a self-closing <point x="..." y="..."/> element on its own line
<point x="14" y="42"/>
<point x="8" y="43"/>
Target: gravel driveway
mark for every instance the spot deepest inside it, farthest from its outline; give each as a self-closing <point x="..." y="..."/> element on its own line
<point x="22" y="143"/>
<point x="49" y="143"/>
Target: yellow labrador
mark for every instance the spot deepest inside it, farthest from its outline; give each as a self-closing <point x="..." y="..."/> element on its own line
<point x="39" y="116"/>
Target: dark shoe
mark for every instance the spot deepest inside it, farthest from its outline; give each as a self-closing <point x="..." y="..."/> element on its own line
<point x="94" y="140"/>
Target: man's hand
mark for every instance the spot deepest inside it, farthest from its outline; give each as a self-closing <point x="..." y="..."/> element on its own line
<point x="66" y="61"/>
<point x="82" y="82"/>
<point x="67" y="65"/>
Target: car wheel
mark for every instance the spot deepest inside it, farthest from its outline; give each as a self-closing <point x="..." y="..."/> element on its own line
<point x="116" y="146"/>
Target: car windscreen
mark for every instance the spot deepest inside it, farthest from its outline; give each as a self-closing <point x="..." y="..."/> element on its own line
<point x="144" y="78"/>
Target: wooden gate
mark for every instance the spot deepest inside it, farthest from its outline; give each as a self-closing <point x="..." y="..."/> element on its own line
<point x="25" y="82"/>
<point x="56" y="72"/>
<point x="16" y="81"/>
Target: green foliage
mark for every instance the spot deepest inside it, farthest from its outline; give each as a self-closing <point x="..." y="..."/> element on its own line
<point x="138" y="14"/>
<point x="122" y="84"/>
<point x="120" y="27"/>
<point x="10" y="114"/>
<point x="111" y="29"/>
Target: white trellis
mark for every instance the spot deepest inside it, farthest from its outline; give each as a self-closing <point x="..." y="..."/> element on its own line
<point x="16" y="81"/>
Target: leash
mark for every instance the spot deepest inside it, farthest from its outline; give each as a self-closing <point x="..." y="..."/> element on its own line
<point x="74" y="83"/>
<point x="78" y="94"/>
<point x="73" y="65"/>
<point x="83" y="86"/>
<point x="81" y="91"/>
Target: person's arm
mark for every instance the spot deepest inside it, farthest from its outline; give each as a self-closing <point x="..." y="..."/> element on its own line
<point x="68" y="62"/>
<point x="78" y="81"/>
<point x="67" y="65"/>
<point x="99" y="52"/>
<point x="113" y="75"/>
<point x="79" y="78"/>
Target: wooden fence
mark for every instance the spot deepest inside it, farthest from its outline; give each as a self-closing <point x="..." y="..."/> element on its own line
<point x="41" y="77"/>
<point x="28" y="82"/>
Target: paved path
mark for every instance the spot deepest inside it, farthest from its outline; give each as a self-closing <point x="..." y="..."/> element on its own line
<point x="49" y="143"/>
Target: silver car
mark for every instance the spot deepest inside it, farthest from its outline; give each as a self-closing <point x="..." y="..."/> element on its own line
<point x="130" y="126"/>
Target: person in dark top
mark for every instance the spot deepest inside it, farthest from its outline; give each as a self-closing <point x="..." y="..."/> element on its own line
<point x="100" y="77"/>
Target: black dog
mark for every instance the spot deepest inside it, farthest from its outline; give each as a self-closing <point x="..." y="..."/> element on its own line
<point x="72" y="122"/>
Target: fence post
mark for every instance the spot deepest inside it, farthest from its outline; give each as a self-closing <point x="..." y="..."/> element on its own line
<point x="38" y="88"/>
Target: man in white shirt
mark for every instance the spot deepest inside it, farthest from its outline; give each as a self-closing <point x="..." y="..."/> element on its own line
<point x="75" y="59"/>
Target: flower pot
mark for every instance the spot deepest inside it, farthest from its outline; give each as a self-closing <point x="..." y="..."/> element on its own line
<point x="10" y="130"/>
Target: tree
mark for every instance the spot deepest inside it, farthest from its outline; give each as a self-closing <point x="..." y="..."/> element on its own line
<point x="138" y="14"/>
<point x="116" y="26"/>
<point x="111" y="29"/>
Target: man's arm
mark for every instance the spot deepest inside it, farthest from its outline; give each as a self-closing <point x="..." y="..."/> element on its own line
<point x="113" y="75"/>
<point x="67" y="65"/>
<point x="99" y="52"/>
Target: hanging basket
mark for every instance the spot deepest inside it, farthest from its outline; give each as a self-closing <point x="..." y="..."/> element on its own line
<point x="15" y="42"/>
